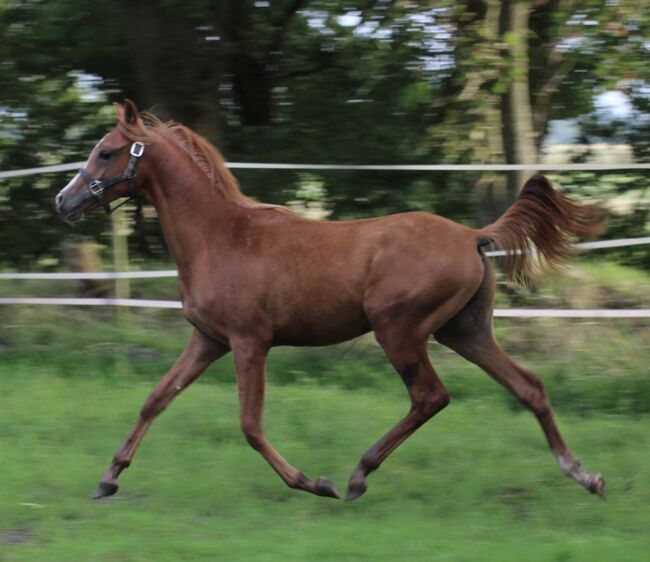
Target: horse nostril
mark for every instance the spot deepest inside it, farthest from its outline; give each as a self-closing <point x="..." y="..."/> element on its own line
<point x="58" y="199"/>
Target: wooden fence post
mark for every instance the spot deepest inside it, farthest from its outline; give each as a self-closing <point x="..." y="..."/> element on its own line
<point x="120" y="233"/>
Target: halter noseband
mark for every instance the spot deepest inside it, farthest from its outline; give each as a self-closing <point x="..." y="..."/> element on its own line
<point x="98" y="187"/>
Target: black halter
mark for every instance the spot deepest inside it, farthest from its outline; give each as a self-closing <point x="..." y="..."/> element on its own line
<point x="98" y="187"/>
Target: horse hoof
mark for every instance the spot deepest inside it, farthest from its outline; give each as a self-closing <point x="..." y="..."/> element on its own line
<point x="105" y="489"/>
<point x="597" y="485"/>
<point x="356" y="489"/>
<point x="325" y="488"/>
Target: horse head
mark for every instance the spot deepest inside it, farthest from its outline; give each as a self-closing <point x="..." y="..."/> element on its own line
<point x="110" y="172"/>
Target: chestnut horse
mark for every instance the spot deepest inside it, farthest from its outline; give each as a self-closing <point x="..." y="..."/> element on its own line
<point x="252" y="276"/>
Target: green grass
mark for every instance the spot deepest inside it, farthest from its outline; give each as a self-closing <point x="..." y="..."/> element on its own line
<point x="477" y="483"/>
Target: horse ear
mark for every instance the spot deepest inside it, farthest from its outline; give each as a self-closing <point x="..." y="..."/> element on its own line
<point x="119" y="111"/>
<point x="130" y="112"/>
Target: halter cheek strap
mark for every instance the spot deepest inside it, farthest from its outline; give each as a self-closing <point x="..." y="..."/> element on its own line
<point x="98" y="187"/>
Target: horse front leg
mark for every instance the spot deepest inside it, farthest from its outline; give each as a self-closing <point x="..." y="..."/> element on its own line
<point x="197" y="356"/>
<point x="250" y="366"/>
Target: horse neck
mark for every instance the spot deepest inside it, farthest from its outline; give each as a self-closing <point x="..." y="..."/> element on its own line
<point x="195" y="216"/>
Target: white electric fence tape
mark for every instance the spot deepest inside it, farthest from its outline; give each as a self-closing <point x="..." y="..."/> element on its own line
<point x="73" y="166"/>
<point x="137" y="303"/>
<point x="619" y="243"/>
<point x="499" y="312"/>
<point x="93" y="275"/>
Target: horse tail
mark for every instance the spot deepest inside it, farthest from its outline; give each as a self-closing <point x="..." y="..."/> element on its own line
<point x="535" y="230"/>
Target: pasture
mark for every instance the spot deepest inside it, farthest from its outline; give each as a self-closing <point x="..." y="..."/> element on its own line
<point x="478" y="484"/>
<point x="475" y="483"/>
<point x="339" y="110"/>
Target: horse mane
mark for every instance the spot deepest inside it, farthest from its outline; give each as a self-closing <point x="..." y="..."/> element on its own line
<point x="204" y="154"/>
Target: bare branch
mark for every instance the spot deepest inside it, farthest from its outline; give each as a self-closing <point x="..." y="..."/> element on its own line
<point x="545" y="93"/>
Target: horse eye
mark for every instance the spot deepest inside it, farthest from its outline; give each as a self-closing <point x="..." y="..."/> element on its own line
<point x="105" y="154"/>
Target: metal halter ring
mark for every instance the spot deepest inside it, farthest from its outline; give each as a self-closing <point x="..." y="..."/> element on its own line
<point x="96" y="188"/>
<point x="137" y="149"/>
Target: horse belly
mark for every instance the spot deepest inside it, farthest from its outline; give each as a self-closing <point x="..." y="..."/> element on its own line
<point x="323" y="321"/>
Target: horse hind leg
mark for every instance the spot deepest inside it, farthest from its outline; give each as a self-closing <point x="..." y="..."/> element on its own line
<point x="427" y="394"/>
<point x="470" y="334"/>
<point x="529" y="390"/>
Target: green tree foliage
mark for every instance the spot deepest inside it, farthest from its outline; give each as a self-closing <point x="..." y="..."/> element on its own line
<point x="355" y="81"/>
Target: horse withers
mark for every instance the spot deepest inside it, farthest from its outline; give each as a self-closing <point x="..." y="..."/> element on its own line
<point x="253" y="275"/>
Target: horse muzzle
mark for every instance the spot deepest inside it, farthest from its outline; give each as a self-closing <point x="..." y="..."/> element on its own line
<point x="71" y="201"/>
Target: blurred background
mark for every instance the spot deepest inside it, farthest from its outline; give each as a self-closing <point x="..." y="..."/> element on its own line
<point x="377" y="82"/>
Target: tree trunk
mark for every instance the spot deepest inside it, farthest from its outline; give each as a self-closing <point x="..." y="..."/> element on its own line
<point x="143" y="35"/>
<point x="517" y="111"/>
<point x="491" y="187"/>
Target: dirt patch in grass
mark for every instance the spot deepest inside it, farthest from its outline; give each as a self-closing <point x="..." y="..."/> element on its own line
<point x="15" y="537"/>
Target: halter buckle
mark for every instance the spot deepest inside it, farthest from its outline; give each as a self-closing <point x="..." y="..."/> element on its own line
<point x="137" y="149"/>
<point x="96" y="188"/>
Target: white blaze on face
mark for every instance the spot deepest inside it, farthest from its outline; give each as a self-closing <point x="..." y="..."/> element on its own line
<point x="74" y="180"/>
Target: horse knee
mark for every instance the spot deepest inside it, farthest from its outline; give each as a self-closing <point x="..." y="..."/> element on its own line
<point x="429" y="405"/>
<point x="534" y="397"/>
<point x="253" y="433"/>
<point x="442" y="401"/>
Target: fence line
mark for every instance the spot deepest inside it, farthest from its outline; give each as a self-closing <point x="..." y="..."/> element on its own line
<point x="135" y="303"/>
<point x="618" y="243"/>
<point x="505" y="313"/>
<point x="499" y="312"/>
<point x="443" y="167"/>
<point x="74" y="166"/>
<point x="622" y="242"/>
<point x="93" y="275"/>
<point x="575" y="313"/>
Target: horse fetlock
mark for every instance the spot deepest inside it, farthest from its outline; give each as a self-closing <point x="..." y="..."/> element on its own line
<point x="321" y="486"/>
<point x="118" y="464"/>
<point x="299" y="481"/>
<point x="570" y="466"/>
<point x="597" y="485"/>
<point x="369" y="463"/>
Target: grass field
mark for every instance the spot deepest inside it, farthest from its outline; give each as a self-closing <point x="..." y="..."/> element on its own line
<point x="477" y="483"/>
